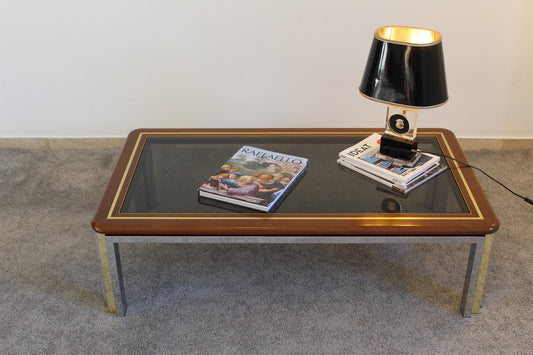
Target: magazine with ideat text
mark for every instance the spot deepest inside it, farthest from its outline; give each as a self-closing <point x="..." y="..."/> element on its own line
<point x="364" y="157"/>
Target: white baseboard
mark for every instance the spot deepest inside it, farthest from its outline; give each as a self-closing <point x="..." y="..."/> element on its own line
<point x="98" y="143"/>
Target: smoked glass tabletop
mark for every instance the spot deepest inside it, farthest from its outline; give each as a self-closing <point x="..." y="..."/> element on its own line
<point x="169" y="170"/>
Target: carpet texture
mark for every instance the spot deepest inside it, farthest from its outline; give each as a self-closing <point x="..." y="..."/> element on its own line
<point x="248" y="299"/>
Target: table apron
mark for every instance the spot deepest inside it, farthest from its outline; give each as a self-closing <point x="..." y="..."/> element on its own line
<point x="295" y="239"/>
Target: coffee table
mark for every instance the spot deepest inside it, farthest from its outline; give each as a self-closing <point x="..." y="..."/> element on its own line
<point x="152" y="198"/>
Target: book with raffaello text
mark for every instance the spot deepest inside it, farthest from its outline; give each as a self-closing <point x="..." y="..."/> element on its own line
<point x="254" y="178"/>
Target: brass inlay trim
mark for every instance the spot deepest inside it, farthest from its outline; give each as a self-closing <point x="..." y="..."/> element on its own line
<point x="458" y="170"/>
<point x="380" y="218"/>
<point x="478" y="297"/>
<point x="143" y="135"/>
<point x="132" y="155"/>
<point x="108" y="284"/>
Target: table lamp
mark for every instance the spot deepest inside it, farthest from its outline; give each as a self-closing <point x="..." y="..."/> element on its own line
<point x="405" y="70"/>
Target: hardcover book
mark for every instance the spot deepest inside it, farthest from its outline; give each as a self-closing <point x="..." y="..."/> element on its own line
<point x="254" y="178"/>
<point x="364" y="158"/>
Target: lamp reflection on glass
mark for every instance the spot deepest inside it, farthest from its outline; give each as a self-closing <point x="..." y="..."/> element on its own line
<point x="405" y="70"/>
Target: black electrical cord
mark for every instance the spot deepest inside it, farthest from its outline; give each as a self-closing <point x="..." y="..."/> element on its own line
<point x="528" y="200"/>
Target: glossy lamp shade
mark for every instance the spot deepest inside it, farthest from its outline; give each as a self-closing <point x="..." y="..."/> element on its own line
<point x="405" y="67"/>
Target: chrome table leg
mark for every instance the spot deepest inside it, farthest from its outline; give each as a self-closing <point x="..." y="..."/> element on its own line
<point x="108" y="253"/>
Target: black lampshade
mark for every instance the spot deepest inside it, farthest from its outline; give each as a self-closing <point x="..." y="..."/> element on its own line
<point x="405" y="67"/>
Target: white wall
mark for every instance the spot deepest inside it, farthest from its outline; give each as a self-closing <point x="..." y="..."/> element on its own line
<point x="72" y="68"/>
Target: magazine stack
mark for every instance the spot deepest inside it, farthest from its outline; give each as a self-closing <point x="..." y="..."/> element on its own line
<point x="254" y="178"/>
<point x="364" y="158"/>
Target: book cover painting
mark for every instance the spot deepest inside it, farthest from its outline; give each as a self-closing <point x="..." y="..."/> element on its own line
<point x="254" y="178"/>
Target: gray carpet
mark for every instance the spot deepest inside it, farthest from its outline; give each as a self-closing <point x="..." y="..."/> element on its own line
<point x="247" y="299"/>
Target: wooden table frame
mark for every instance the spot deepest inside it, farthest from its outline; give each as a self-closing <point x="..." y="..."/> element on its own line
<point x="112" y="227"/>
